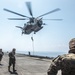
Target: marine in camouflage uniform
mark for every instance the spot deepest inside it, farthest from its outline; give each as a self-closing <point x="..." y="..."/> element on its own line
<point x="12" y="60"/>
<point x="65" y="63"/>
<point x="1" y="55"/>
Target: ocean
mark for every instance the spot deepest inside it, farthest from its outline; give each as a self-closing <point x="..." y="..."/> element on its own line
<point x="38" y="53"/>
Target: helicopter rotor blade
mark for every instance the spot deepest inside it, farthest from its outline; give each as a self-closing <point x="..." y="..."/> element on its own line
<point x="54" y="19"/>
<point x="28" y="4"/>
<point x="57" y="9"/>
<point x="17" y="19"/>
<point x="15" y="13"/>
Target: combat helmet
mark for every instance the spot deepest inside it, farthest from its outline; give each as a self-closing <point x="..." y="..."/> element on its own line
<point x="72" y="45"/>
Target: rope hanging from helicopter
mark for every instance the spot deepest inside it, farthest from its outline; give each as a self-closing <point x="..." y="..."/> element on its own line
<point x="32" y="42"/>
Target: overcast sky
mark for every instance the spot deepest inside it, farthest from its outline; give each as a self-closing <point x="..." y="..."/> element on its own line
<point x="54" y="36"/>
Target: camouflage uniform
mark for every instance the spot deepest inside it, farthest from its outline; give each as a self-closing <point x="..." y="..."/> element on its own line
<point x="65" y="63"/>
<point x="1" y="55"/>
<point x="12" y="60"/>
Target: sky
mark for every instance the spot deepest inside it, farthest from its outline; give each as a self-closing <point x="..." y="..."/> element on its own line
<point x="54" y="36"/>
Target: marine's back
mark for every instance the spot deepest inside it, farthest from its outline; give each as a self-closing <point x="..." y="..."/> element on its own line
<point x="65" y="63"/>
<point x="68" y="64"/>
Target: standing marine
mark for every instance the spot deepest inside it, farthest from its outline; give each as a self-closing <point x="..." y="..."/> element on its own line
<point x="65" y="62"/>
<point x="12" y="60"/>
<point x="1" y="55"/>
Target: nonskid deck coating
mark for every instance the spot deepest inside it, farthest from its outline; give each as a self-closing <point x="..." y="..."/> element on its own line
<point x="26" y="65"/>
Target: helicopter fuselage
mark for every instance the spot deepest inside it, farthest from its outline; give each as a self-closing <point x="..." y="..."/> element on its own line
<point x="34" y="26"/>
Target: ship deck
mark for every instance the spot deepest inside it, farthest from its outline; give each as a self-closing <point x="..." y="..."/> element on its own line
<point x="26" y="65"/>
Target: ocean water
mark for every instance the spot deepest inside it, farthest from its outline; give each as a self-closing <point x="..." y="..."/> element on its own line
<point x="48" y="54"/>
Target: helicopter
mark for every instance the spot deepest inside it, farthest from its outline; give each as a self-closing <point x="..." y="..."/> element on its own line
<point x="34" y="24"/>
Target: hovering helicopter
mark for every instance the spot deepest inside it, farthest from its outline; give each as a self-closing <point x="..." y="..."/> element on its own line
<point x="34" y="24"/>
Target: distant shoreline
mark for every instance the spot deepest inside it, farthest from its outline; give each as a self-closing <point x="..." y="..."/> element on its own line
<point x="47" y="55"/>
<point x="37" y="56"/>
